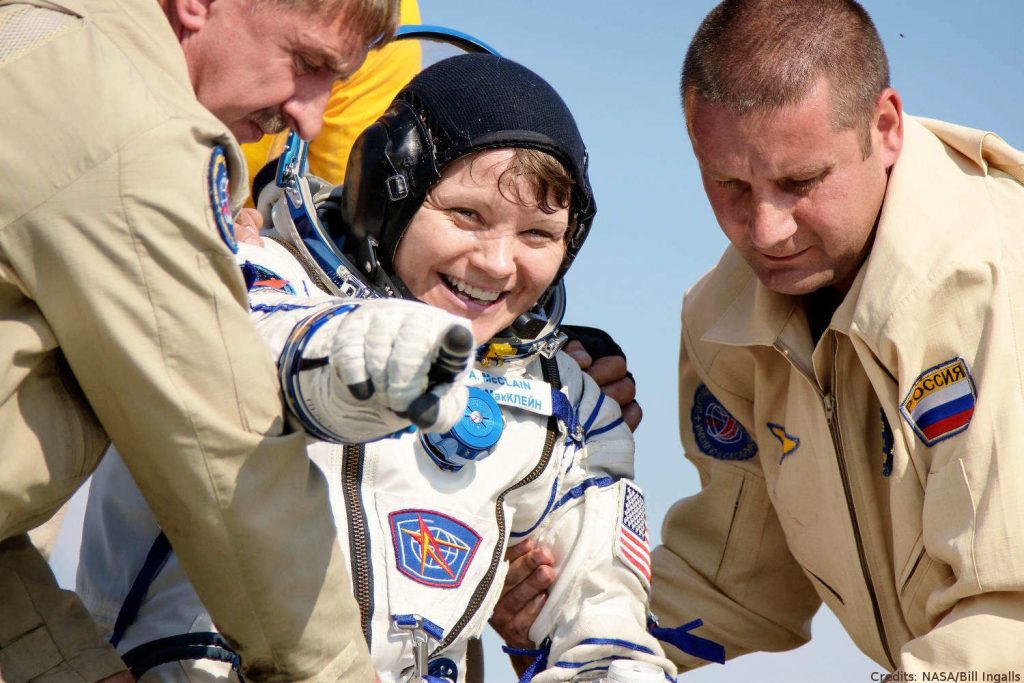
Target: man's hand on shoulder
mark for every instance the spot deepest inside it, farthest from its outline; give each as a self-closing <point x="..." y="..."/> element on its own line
<point x="603" y="359"/>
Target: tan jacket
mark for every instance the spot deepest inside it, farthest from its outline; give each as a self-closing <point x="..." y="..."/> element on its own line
<point x="122" y="313"/>
<point x="920" y="557"/>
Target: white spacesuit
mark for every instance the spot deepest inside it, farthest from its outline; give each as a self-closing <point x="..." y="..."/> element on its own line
<point x="425" y="519"/>
<point x="424" y="541"/>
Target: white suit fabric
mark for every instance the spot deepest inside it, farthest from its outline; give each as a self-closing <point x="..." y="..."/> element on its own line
<point x="424" y="541"/>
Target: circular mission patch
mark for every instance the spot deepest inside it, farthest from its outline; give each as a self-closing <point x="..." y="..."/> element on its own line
<point x="717" y="432"/>
<point x="220" y="198"/>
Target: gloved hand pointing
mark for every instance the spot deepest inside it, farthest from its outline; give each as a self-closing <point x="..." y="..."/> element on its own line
<point x="397" y="362"/>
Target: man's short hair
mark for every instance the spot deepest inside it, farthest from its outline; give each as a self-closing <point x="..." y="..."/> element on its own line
<point x="375" y="21"/>
<point x="761" y="55"/>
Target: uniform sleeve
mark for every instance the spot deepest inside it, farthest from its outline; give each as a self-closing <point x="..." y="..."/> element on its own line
<point x="298" y="322"/>
<point x="724" y="558"/>
<point x="131" y="270"/>
<point x="597" y="529"/>
<point x="961" y="402"/>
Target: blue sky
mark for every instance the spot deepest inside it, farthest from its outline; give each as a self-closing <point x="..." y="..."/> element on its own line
<point x="617" y="66"/>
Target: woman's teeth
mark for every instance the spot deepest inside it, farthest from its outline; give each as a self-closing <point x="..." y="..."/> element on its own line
<point x="472" y="292"/>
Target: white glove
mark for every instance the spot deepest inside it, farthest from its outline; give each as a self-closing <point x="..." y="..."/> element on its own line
<point x="390" y="363"/>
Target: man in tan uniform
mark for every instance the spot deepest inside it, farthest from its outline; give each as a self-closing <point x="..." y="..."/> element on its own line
<point x="124" y="317"/>
<point x="850" y="373"/>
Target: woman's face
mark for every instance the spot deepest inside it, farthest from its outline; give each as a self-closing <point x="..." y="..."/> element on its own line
<point x="475" y="251"/>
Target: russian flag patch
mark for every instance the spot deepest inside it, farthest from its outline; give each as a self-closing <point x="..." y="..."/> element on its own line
<point x="632" y="546"/>
<point x="941" y="401"/>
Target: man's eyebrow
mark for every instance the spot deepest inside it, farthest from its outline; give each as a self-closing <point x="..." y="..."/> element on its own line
<point x="708" y="171"/>
<point x="329" y="59"/>
<point x="333" y="62"/>
<point x="806" y="172"/>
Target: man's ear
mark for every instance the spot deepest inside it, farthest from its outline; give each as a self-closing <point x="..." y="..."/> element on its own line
<point x="192" y="14"/>
<point x="889" y="125"/>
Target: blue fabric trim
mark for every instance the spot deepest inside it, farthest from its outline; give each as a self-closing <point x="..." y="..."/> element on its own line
<point x="413" y="621"/>
<point x="685" y="641"/>
<point x="543" y="515"/>
<point x="618" y="642"/>
<point x="288" y="368"/>
<point x="608" y="427"/>
<point x="563" y="410"/>
<point x="577" y="665"/>
<point x="187" y="646"/>
<point x="405" y="620"/>
<point x="540" y="658"/>
<point x="581" y="488"/>
<point x="593" y="414"/>
<point x="267" y="308"/>
<point x="155" y="560"/>
<point x="435" y="631"/>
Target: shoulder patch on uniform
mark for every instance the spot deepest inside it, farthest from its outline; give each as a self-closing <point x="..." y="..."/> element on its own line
<point x="220" y="197"/>
<point x="788" y="441"/>
<point x="432" y="548"/>
<point x="717" y="432"/>
<point x="631" y="545"/>
<point x="940" y="403"/>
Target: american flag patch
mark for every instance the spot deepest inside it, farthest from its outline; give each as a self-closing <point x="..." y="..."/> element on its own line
<point x="631" y="545"/>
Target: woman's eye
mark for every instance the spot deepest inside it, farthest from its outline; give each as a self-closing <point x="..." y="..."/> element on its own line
<point x="541" y="235"/>
<point x="465" y="214"/>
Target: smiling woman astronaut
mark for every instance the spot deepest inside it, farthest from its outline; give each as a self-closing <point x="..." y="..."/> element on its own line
<point x="470" y="195"/>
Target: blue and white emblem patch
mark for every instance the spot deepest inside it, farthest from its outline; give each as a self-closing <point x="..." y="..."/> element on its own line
<point x="220" y="197"/>
<point x="432" y="548"/>
<point x="717" y="432"/>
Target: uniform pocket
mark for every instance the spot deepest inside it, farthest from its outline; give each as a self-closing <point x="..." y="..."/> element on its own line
<point x="921" y="579"/>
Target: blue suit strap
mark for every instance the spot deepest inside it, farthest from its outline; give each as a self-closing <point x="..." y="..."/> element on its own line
<point x="155" y="560"/>
<point x="685" y="641"/>
<point x="540" y="658"/>
<point x="187" y="646"/>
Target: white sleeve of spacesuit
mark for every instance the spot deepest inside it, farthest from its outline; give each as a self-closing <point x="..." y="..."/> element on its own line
<point x="354" y="370"/>
<point x="598" y="607"/>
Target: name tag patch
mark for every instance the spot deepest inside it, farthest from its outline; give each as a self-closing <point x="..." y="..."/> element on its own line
<point x="717" y="432"/>
<point x="940" y="403"/>
<point x="529" y="394"/>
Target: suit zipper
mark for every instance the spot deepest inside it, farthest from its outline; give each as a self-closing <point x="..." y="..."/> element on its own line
<point x="828" y="401"/>
<point x="311" y="269"/>
<point x="358" y="534"/>
<point x="550" y="366"/>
